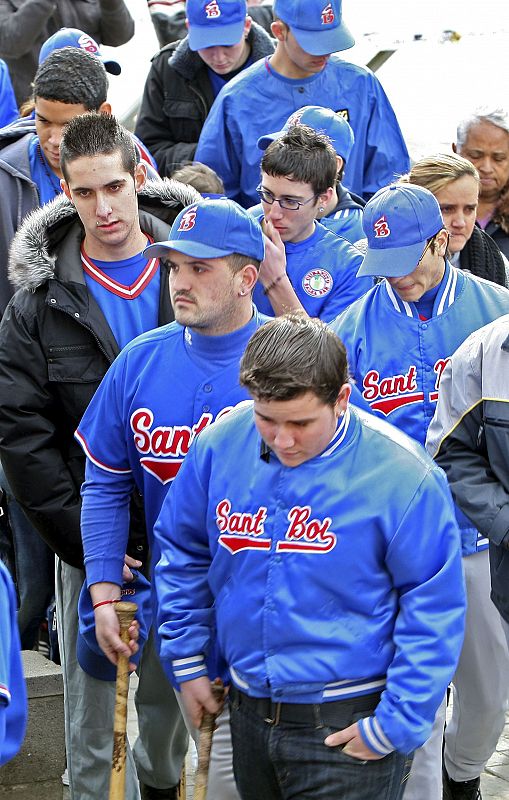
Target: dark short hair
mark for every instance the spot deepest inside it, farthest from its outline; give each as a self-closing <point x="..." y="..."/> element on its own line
<point x="236" y="261"/>
<point x="72" y="76"/>
<point x="292" y="355"/>
<point x="96" y="134"/>
<point x="305" y="155"/>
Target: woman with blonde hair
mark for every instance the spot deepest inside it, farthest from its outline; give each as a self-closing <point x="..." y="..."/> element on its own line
<point x="455" y="183"/>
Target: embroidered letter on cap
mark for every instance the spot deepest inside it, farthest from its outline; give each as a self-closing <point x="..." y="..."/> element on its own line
<point x="212" y="10"/>
<point x="381" y="228"/>
<point x="188" y="220"/>
<point x="328" y="15"/>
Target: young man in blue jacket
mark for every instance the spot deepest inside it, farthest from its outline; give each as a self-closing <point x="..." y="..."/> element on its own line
<point x="342" y="214"/>
<point x="302" y="71"/>
<point x="312" y="266"/>
<point x="320" y="547"/>
<point x="399" y="337"/>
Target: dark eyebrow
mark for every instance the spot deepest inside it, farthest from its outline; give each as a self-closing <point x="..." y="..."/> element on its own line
<point x="107" y="185"/>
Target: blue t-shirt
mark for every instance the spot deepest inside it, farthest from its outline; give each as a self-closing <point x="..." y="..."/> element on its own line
<point x="135" y="280"/>
<point x="323" y="272"/>
<point x="43" y="176"/>
<point x="425" y="303"/>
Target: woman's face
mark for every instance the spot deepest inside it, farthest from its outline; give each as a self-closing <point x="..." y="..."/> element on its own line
<point x="458" y="203"/>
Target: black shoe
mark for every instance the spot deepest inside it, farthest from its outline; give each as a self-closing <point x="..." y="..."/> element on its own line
<point x="151" y="793"/>
<point x="460" y="790"/>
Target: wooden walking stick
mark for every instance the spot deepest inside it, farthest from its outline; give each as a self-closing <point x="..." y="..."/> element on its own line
<point x="205" y="744"/>
<point x="126" y="613"/>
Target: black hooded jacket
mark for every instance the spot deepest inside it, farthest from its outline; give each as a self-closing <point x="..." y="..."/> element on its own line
<point x="55" y="347"/>
<point x="177" y="99"/>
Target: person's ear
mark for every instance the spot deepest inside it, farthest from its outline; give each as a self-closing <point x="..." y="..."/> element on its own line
<point x="105" y="108"/>
<point x="247" y="26"/>
<point x="279" y="30"/>
<point x="455" y="148"/>
<point x="248" y="277"/>
<point x="65" y="188"/>
<point x="341" y="403"/>
<point x="140" y="175"/>
<point x="324" y="198"/>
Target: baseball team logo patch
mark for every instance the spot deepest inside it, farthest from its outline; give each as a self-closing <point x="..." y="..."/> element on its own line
<point x="212" y="10"/>
<point x="328" y="16"/>
<point x="317" y="282"/>
<point x="381" y="228"/>
<point x="87" y="44"/>
<point x="188" y="220"/>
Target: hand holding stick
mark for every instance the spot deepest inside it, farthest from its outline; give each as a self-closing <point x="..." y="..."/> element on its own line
<point x="125" y="613"/>
<point x="205" y="744"/>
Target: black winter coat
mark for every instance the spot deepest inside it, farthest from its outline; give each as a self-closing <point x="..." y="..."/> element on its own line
<point x="55" y="347"/>
<point x="177" y="99"/>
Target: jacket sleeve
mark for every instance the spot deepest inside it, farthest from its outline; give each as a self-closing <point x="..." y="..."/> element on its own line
<point x="8" y="105"/>
<point x="109" y="480"/>
<point x="116" y="23"/>
<point x="220" y="146"/>
<point x="20" y="29"/>
<point x="386" y="155"/>
<point x="455" y="440"/>
<point x="29" y="445"/>
<point x="424" y="560"/>
<point x="155" y="128"/>
<point x="184" y="598"/>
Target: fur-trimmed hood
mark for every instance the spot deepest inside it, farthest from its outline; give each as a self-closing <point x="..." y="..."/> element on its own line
<point x="33" y="252"/>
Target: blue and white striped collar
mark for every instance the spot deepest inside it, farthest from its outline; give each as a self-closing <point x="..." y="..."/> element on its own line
<point x="339" y="434"/>
<point x="445" y="297"/>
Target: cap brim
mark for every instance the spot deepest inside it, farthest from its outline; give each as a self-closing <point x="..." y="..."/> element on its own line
<point x="200" y="37"/>
<point x="95" y="665"/>
<point x="394" y="262"/>
<point x="193" y="249"/>
<point x="321" y="43"/>
<point x="113" y="67"/>
<point x="264" y="141"/>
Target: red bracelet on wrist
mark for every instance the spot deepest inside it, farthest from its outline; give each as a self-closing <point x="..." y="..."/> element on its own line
<point x="105" y="603"/>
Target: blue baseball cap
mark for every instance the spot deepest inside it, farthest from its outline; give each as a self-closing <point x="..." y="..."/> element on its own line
<point x="90" y="656"/>
<point x="73" y="37"/>
<point x="215" y="23"/>
<point x="212" y="229"/>
<point x="316" y="24"/>
<point x="322" y="120"/>
<point x="398" y="221"/>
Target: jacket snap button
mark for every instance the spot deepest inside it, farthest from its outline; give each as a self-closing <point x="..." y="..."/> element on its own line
<point x="53" y="300"/>
<point x="76" y="314"/>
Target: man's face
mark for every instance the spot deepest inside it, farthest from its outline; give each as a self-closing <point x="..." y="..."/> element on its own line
<point x="227" y="58"/>
<point x="105" y="198"/>
<point x="428" y="273"/>
<point x="292" y="225"/>
<point x="297" y="430"/>
<point x="51" y="116"/>
<point x="205" y="293"/>
<point x="458" y="204"/>
<point x="296" y="62"/>
<point x="487" y="147"/>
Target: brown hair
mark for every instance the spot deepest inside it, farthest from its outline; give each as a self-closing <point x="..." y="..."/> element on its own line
<point x="305" y="155"/>
<point x="292" y="355"/>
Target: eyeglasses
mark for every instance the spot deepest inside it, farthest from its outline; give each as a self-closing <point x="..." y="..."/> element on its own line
<point x="428" y="243"/>
<point x="285" y="202"/>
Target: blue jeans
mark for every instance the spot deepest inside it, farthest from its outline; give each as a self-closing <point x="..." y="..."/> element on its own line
<point x="288" y="761"/>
